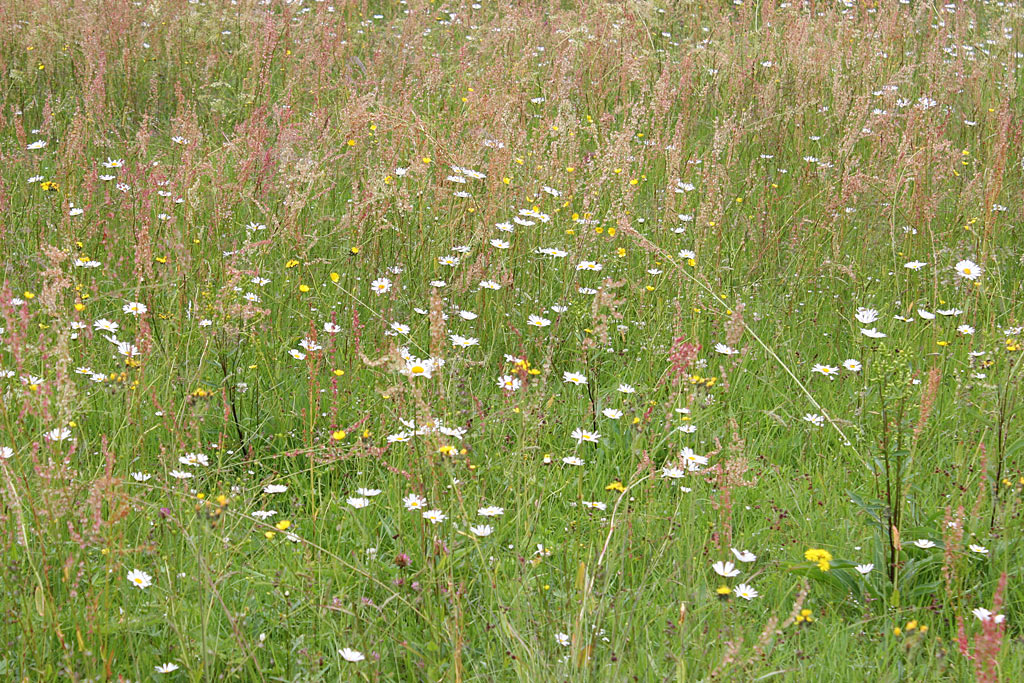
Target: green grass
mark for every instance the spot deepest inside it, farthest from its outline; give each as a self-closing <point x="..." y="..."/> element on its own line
<point x="819" y="166"/>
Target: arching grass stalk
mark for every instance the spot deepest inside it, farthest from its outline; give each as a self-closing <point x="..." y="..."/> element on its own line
<point x="650" y="246"/>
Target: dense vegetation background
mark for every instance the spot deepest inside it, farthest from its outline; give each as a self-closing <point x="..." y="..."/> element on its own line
<point x="510" y="341"/>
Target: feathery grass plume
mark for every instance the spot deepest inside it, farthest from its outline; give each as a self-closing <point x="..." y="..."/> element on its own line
<point x="928" y="396"/>
<point x="952" y="544"/>
<point x="438" y="331"/>
<point x="728" y="474"/>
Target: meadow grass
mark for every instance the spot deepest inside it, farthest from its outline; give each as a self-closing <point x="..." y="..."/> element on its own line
<point x="597" y="341"/>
